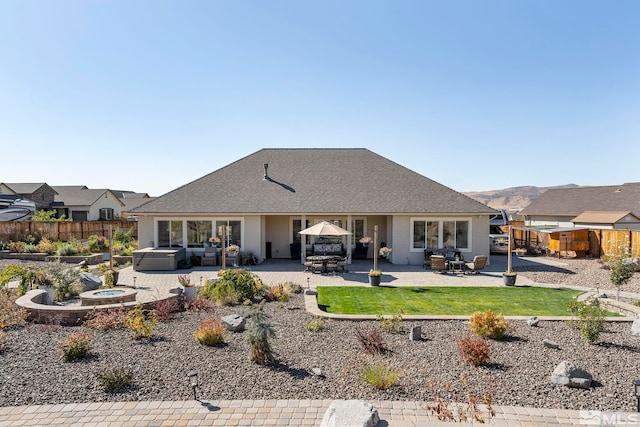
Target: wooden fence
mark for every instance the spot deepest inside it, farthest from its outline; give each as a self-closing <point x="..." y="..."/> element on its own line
<point x="601" y="243"/>
<point x="63" y="230"/>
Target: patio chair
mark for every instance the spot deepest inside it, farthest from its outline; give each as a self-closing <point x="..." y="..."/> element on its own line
<point x="332" y="265"/>
<point x="342" y="264"/>
<point x="427" y="259"/>
<point x="210" y="256"/>
<point x="308" y="266"/>
<point x="475" y="266"/>
<point x="438" y="264"/>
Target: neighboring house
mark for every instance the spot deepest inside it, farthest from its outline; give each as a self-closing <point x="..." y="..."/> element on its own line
<point x="40" y="193"/>
<point x="607" y="220"/>
<point x="266" y="198"/>
<point x="558" y="207"/>
<point x="80" y="203"/>
<point x="131" y="201"/>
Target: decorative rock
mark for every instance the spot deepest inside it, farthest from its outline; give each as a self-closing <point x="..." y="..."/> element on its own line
<point x="317" y="372"/>
<point x="89" y="282"/>
<point x="533" y="321"/>
<point x="350" y="413"/>
<point x="550" y="344"/>
<point x="415" y="334"/>
<point x="635" y="326"/>
<point x="570" y="375"/>
<point x="234" y="322"/>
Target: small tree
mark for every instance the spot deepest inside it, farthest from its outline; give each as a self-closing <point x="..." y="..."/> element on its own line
<point x="45" y="215"/>
<point x="622" y="269"/>
<point x="260" y="351"/>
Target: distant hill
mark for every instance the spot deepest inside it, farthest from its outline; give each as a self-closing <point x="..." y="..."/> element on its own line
<point x="512" y="198"/>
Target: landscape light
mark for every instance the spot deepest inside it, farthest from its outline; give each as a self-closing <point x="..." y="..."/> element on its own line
<point x="134" y="281"/>
<point x="192" y="376"/>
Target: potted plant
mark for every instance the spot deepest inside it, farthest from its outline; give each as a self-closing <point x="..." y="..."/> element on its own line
<point x="385" y="251"/>
<point x="189" y="287"/>
<point x="374" y="277"/>
<point x="111" y="278"/>
<point x="365" y="241"/>
<point x="232" y="250"/>
<point x="509" y="277"/>
<point x="214" y="240"/>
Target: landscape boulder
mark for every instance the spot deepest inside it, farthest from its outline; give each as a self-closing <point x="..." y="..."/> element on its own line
<point x="550" y="344"/>
<point x="234" y="322"/>
<point x="570" y="375"/>
<point x="350" y="413"/>
<point x="415" y="334"/>
<point x="533" y="321"/>
<point x="89" y="282"/>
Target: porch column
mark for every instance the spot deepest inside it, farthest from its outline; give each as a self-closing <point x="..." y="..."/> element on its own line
<point x="303" y="240"/>
<point x="349" y="239"/>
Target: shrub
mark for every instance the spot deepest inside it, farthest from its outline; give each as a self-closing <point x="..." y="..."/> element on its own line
<point x="211" y="332"/>
<point x="233" y="286"/>
<point x="66" y="250"/>
<point x="316" y="324"/>
<point x="622" y="270"/>
<point x="474" y="350"/>
<point x="591" y="318"/>
<point x="109" y="279"/>
<point x="141" y="322"/>
<point x="200" y="304"/>
<point x="488" y="325"/>
<point x="16" y="247"/>
<point x="124" y="237"/>
<point x="380" y="376"/>
<point x="278" y="292"/>
<point x="116" y="378"/>
<point x="65" y="280"/>
<point x="47" y="246"/>
<point x="370" y="339"/>
<point x="165" y="308"/>
<point x="258" y="338"/>
<point x="451" y="404"/>
<point x="30" y="248"/>
<point x="75" y="346"/>
<point x="112" y="318"/>
<point x="392" y="324"/>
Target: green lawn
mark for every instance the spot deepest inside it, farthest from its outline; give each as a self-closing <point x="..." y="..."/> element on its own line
<point x="508" y="301"/>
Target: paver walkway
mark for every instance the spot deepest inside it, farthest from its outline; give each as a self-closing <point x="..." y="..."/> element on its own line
<point x="272" y="413"/>
<point x="292" y="412"/>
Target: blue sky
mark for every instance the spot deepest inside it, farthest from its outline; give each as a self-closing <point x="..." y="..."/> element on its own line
<point x="477" y="95"/>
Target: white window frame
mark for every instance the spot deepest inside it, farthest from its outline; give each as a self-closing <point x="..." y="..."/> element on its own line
<point x="184" y="220"/>
<point x="440" y="221"/>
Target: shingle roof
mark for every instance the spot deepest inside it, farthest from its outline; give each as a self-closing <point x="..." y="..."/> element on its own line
<point x="595" y="217"/>
<point x="25" y="187"/>
<point x="574" y="201"/>
<point x="75" y="195"/>
<point x="350" y="180"/>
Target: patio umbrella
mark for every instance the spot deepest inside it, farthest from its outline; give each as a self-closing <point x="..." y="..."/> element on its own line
<point x="325" y="228"/>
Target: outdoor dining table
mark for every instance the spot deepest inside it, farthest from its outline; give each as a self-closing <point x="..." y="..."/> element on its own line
<point x="324" y="259"/>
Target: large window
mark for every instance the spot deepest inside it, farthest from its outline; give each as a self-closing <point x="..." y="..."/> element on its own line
<point x="426" y="233"/>
<point x="233" y="231"/>
<point x="198" y="233"/>
<point x="169" y="234"/>
<point x="106" y="214"/>
<point x="358" y="230"/>
<point x="296" y="228"/>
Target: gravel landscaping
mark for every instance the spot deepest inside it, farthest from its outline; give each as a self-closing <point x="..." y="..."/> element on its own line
<point x="32" y="370"/>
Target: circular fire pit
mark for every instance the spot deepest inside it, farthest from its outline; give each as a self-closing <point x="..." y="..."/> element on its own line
<point x="107" y="296"/>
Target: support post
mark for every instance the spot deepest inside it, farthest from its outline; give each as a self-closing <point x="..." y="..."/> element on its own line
<point x="375" y="248"/>
<point x="509" y="254"/>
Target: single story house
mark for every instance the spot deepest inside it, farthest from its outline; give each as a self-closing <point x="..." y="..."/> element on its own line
<point x="607" y="220"/>
<point x="40" y="193"/>
<point x="80" y="203"/>
<point x="267" y="197"/>
<point x="559" y="207"/>
<point x="131" y="201"/>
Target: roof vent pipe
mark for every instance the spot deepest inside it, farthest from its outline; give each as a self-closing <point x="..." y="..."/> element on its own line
<point x="266" y="175"/>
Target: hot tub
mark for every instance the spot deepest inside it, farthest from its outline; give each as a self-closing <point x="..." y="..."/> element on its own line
<point x="108" y="296"/>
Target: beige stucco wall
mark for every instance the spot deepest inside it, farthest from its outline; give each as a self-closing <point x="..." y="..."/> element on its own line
<point x="278" y="231"/>
<point x="401" y="238"/>
<point x="103" y="202"/>
<point x="145" y="232"/>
